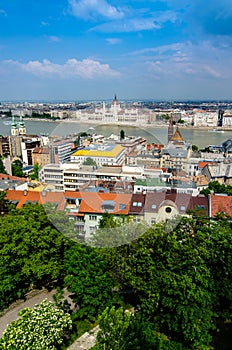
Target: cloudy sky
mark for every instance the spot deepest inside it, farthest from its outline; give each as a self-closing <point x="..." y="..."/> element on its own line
<point x="92" y="49"/>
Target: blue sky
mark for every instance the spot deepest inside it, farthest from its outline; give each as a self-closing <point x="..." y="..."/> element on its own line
<point x="92" y="49"/>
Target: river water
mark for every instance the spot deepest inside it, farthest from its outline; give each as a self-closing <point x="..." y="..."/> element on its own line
<point x="156" y="134"/>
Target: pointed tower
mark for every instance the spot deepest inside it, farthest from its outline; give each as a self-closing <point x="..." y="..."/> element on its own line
<point x="14" y="129"/>
<point x="115" y="107"/>
<point x="177" y="136"/>
<point x="22" y="128"/>
<point x="170" y="128"/>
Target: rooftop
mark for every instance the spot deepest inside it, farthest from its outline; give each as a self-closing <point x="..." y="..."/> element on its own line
<point x="96" y="150"/>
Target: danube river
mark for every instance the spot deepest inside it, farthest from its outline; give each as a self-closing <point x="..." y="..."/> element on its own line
<point x="152" y="133"/>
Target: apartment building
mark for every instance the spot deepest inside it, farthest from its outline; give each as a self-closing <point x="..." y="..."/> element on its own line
<point x="104" y="154"/>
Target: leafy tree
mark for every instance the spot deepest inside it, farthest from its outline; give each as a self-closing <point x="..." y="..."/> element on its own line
<point x="2" y="167"/>
<point x="194" y="148"/>
<point x="17" y="168"/>
<point x="31" y="252"/>
<point x="83" y="134"/>
<point x="89" y="161"/>
<point x="172" y="276"/>
<point x="3" y="202"/>
<point x="87" y="276"/>
<point x="116" y="231"/>
<point x="35" y="174"/>
<point x="113" y="326"/>
<point x="124" y="330"/>
<point x="216" y="187"/>
<point x="165" y="116"/>
<point x="41" y="327"/>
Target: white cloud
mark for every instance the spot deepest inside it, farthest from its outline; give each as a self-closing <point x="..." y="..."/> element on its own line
<point x="202" y="60"/>
<point x="127" y="26"/>
<point x="87" y="68"/>
<point x="89" y="9"/>
<point x="113" y="41"/>
<point x="53" y="39"/>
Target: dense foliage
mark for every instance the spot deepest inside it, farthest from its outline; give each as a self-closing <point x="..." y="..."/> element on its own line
<point x="31" y="252"/>
<point x="2" y="167"/>
<point x="17" y="168"/>
<point x="41" y="327"/>
<point x="87" y="276"/>
<point x="41" y="116"/>
<point x="177" y="282"/>
<point x="180" y="280"/>
<point x="124" y="330"/>
<point x="216" y="187"/>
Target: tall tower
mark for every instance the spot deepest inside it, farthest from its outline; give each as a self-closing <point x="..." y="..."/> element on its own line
<point x="115" y="107"/>
<point x="14" y="129"/>
<point x="170" y="128"/>
<point x="22" y="128"/>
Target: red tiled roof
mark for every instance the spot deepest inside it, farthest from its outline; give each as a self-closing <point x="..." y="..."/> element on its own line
<point x="94" y="202"/>
<point x="202" y="164"/>
<point x="220" y="203"/>
<point x="23" y="197"/>
<point x="10" y="177"/>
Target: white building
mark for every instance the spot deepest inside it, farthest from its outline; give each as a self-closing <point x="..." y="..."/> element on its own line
<point x="227" y="119"/>
<point x="101" y="154"/>
<point x="116" y="114"/>
<point x="205" y="118"/>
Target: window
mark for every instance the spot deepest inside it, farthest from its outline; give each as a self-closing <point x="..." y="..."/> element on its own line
<point x="139" y="204"/>
<point x="122" y="206"/>
<point x="91" y="228"/>
<point x="168" y="210"/>
<point x="183" y="208"/>
<point x="152" y="221"/>
<point x="200" y="207"/>
<point x="93" y="217"/>
<point x="135" y="204"/>
<point x="153" y="206"/>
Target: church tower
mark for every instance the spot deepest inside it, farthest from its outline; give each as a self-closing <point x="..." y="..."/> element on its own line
<point x="22" y="128"/>
<point x="14" y="129"/>
<point x="170" y="128"/>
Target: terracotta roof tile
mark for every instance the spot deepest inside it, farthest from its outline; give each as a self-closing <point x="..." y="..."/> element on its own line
<point x="95" y="202"/>
<point x="220" y="203"/>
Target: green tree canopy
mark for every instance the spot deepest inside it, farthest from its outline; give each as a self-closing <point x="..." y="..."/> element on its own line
<point x="180" y="278"/>
<point x="2" y="167"/>
<point x="89" y="161"/>
<point x="31" y="252"/>
<point x="35" y="174"/>
<point x="216" y="187"/>
<point x="17" y="168"/>
<point x="87" y="276"/>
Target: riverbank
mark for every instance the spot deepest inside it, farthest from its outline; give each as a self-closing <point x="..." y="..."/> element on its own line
<point x="158" y="125"/>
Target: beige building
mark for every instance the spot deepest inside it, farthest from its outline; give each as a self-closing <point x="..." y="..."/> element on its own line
<point x="41" y="156"/>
